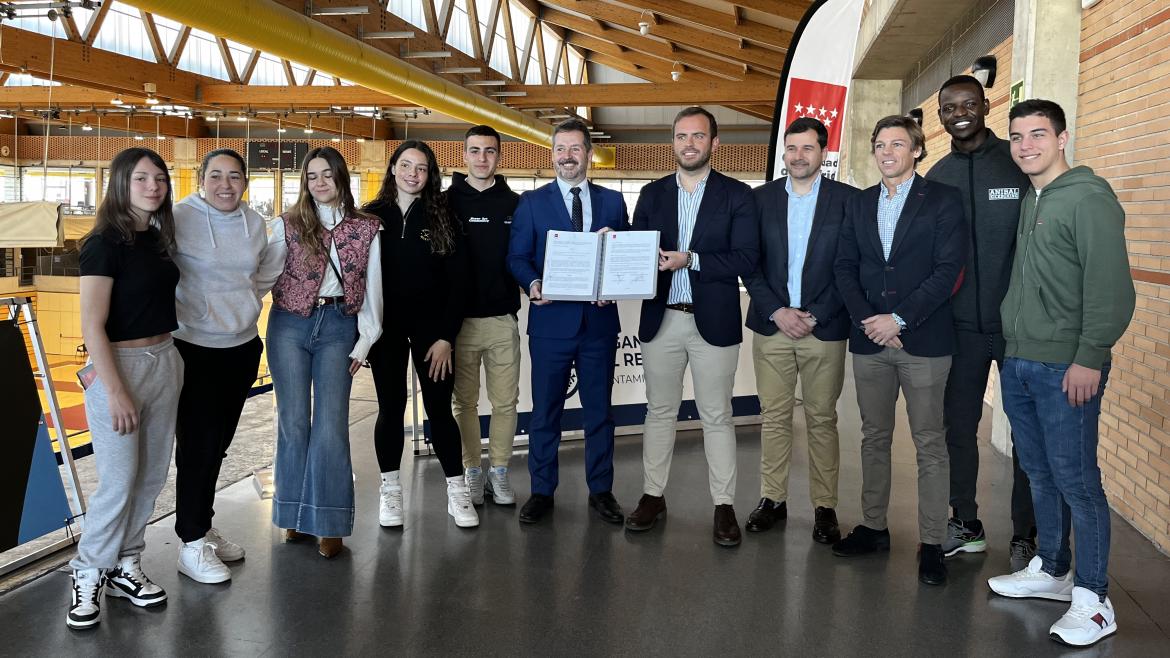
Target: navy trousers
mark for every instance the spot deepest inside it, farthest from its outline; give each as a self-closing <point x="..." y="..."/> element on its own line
<point x="553" y="360"/>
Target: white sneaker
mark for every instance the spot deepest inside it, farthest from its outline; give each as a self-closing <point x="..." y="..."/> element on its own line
<point x="1031" y="582"/>
<point x="225" y="549"/>
<point x="459" y="503"/>
<point x="390" y="505"/>
<point x="498" y="486"/>
<point x="198" y="560"/>
<point x="1088" y="620"/>
<point x="474" y="477"/>
<point x="126" y="581"/>
<point x="85" y="605"/>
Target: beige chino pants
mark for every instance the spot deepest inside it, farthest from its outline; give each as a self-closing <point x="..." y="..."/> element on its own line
<point x="494" y="342"/>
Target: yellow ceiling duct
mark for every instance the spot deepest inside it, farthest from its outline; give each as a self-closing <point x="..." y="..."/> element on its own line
<point x="285" y="33"/>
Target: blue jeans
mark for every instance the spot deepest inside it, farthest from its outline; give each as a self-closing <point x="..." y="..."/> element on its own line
<point x="1057" y="446"/>
<point x="309" y="360"/>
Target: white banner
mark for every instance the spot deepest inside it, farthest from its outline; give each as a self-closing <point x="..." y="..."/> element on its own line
<point x="816" y="77"/>
<point x="629" y="387"/>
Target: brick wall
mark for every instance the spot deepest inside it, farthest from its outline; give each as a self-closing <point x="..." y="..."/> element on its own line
<point x="1123" y="105"/>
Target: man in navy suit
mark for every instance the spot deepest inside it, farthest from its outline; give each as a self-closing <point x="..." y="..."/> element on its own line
<point x="563" y="335"/>
<point x="899" y="259"/>
<point x="709" y="239"/>
<point x="801" y="325"/>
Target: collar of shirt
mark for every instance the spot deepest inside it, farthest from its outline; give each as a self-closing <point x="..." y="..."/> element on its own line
<point x="329" y="216"/>
<point x="900" y="191"/>
<point x="816" y="188"/>
<point x="699" y="187"/>
<point x="567" y="195"/>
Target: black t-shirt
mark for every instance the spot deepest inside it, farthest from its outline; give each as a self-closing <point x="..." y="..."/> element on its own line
<point x="142" y="302"/>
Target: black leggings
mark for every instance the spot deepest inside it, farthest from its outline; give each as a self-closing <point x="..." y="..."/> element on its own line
<point x="388" y="361"/>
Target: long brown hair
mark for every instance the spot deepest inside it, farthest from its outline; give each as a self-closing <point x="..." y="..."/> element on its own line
<point x="441" y="221"/>
<point x="303" y="217"/>
<point x="117" y="214"/>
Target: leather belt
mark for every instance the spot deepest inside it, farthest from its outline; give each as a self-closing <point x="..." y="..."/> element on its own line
<point x="685" y="308"/>
<point x="336" y="301"/>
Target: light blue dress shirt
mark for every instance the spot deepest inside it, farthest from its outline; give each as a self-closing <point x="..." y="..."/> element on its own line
<point x="888" y="211"/>
<point x="801" y="210"/>
<point x="586" y="206"/>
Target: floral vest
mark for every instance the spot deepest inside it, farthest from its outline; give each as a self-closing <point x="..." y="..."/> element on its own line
<point x="296" y="289"/>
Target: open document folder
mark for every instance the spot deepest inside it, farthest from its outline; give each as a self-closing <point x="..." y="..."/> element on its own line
<point x="587" y="267"/>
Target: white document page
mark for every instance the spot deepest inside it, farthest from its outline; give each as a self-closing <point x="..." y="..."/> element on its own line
<point x="629" y="268"/>
<point x="571" y="263"/>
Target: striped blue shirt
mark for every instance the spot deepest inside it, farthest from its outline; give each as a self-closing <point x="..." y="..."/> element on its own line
<point x="888" y="211"/>
<point x="688" y="213"/>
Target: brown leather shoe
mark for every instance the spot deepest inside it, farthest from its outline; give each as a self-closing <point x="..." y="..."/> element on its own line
<point x="650" y="509"/>
<point x="726" y="527"/>
<point x="291" y="535"/>
<point x="329" y="547"/>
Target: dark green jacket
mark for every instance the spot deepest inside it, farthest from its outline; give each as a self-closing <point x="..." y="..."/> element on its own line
<point x="1071" y="294"/>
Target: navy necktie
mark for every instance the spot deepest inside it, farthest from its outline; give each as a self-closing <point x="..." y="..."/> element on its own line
<point x="578" y="211"/>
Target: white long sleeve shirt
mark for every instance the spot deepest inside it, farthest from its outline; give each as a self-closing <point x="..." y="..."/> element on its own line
<point x="369" y="317"/>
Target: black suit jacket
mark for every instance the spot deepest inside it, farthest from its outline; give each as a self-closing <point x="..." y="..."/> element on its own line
<point x="768" y="285"/>
<point x="918" y="279"/>
<point x="725" y="238"/>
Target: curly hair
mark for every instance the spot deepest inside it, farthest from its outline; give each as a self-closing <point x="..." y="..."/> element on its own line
<point x="442" y="225"/>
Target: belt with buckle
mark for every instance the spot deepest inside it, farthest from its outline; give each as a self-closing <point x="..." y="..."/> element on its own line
<point x="336" y="301"/>
<point x="685" y="308"/>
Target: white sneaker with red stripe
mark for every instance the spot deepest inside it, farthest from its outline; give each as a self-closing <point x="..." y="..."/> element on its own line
<point x="1088" y="620"/>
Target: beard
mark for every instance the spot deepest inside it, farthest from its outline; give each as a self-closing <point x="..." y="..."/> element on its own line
<point x="704" y="158"/>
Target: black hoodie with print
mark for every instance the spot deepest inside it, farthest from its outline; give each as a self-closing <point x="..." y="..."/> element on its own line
<point x="487" y="224"/>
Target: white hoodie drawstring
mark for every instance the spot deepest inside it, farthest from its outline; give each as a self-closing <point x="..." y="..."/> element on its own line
<point x="210" y="231"/>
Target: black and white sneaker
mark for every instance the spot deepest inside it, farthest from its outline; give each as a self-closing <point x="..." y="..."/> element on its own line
<point x="85" y="607"/>
<point x="128" y="582"/>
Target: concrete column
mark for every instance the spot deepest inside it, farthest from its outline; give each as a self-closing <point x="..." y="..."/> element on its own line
<point x="869" y="101"/>
<point x="1046" y="53"/>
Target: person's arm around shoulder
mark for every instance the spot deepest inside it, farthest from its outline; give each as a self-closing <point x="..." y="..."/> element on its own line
<point x="522" y="249"/>
<point x="743" y="256"/>
<point x="1108" y="297"/>
<point x="370" y="314"/>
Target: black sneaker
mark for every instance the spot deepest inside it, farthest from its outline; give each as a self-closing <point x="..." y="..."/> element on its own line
<point x="862" y="540"/>
<point x="964" y="537"/>
<point x="127" y="581"/>
<point x="1023" y="549"/>
<point x="931" y="570"/>
<point x="85" y="606"/>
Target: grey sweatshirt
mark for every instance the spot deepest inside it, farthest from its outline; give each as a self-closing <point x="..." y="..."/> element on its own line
<point x="226" y="268"/>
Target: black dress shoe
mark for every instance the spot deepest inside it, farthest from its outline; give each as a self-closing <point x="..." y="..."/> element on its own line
<point x="767" y="514"/>
<point x="536" y="507"/>
<point x="726" y="527"/>
<point x="607" y="507"/>
<point x="931" y="570"/>
<point x="825" y="528"/>
<point x="861" y="541"/>
<point x="650" y="509"/>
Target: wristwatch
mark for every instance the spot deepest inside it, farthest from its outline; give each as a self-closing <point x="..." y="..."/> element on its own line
<point x="899" y="320"/>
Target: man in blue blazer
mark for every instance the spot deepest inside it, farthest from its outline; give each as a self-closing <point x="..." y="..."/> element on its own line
<point x="563" y="335"/>
<point x="899" y="260"/>
<point x="709" y="239"/>
<point x="801" y="325"/>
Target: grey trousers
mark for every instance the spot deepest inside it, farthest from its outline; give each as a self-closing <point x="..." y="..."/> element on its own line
<point x="131" y="468"/>
<point x="923" y="382"/>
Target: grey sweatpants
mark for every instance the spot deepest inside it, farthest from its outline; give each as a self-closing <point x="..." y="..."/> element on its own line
<point x="132" y="468"/>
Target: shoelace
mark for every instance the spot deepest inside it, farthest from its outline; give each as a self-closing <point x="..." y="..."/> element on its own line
<point x="1080" y="612"/>
<point x="461" y="495"/>
<point x="502" y="486"/>
<point x="392" y="499"/>
<point x="207" y="553"/>
<point x="87" y="591"/>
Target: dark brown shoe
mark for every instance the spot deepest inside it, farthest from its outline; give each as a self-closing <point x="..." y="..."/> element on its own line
<point x="329" y="547"/>
<point x="291" y="536"/>
<point x="767" y="514"/>
<point x="726" y="527"/>
<point x="825" y="528"/>
<point x="650" y="509"/>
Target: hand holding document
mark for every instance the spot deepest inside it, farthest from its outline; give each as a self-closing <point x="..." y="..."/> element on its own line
<point x="605" y="266"/>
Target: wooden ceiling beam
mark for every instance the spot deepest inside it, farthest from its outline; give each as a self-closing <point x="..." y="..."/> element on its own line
<point x="214" y="96"/>
<point x="711" y="19"/>
<point x="706" y="92"/>
<point x="142" y="122"/>
<point x="647" y="45"/>
<point x="95" y="23"/>
<point x="156" y="45"/>
<point x="792" y="10"/>
<point x="718" y="45"/>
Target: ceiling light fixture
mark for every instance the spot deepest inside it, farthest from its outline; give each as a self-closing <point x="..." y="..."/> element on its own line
<point x="341" y="11"/>
<point x="87" y="127"/>
<point x="676" y="71"/>
<point x="643" y="24"/>
<point x="151" y="100"/>
<point x="117" y="100"/>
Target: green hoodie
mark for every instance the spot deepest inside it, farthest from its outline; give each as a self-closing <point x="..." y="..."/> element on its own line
<point x="1071" y="294"/>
